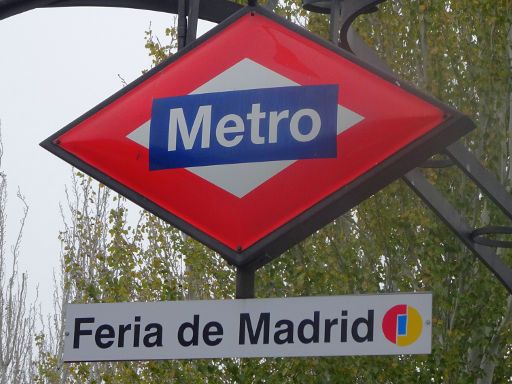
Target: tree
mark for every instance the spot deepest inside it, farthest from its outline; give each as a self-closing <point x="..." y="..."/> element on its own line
<point x="460" y="51"/>
<point x="17" y="317"/>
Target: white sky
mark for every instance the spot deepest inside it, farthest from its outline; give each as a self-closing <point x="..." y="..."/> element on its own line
<point x="56" y="64"/>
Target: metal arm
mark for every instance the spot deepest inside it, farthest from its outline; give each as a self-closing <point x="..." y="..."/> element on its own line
<point x="211" y="10"/>
<point x="459" y="226"/>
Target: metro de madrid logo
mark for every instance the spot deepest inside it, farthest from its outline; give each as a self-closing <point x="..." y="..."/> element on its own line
<point x="402" y="325"/>
<point x="243" y="126"/>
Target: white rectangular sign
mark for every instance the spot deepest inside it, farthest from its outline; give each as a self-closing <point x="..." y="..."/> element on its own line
<point x="301" y="326"/>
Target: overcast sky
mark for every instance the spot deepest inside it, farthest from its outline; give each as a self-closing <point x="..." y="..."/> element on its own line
<point x="56" y="64"/>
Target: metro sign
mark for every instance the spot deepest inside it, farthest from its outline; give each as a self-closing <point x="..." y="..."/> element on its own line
<point x="300" y="123"/>
<point x="256" y="135"/>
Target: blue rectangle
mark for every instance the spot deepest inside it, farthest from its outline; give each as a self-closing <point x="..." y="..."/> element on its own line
<point x="287" y="123"/>
<point x="402" y="325"/>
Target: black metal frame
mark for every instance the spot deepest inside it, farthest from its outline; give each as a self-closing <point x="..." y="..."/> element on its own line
<point x="479" y="236"/>
<point x="211" y="10"/>
<point x="474" y="239"/>
<point x="481" y="176"/>
<point x="350" y="11"/>
<point x="455" y="154"/>
<point x="458" y="225"/>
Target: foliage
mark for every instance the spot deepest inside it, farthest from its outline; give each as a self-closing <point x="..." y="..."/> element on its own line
<point x="17" y="317"/>
<point x="459" y="51"/>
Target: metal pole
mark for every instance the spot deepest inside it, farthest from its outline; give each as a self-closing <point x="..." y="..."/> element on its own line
<point x="245" y="283"/>
<point x="484" y="179"/>
<point x="182" y="24"/>
<point x="458" y="224"/>
<point x="335" y="21"/>
<point x="193" y="17"/>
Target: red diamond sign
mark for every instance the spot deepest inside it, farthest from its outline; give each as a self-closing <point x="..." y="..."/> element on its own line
<point x="256" y="135"/>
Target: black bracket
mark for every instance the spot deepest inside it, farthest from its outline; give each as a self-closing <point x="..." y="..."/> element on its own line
<point x="487" y="182"/>
<point x="443" y="162"/>
<point x="188" y="17"/>
<point x="343" y="13"/>
<point x="479" y="236"/>
<point x="459" y="225"/>
<point x="351" y="10"/>
<point x="211" y="10"/>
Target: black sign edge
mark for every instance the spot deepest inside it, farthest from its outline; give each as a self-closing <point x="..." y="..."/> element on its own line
<point x="50" y="145"/>
<point x="350" y="195"/>
<point x="153" y="71"/>
<point x="320" y="214"/>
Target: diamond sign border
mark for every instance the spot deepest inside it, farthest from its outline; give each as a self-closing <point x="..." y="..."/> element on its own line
<point x="452" y="128"/>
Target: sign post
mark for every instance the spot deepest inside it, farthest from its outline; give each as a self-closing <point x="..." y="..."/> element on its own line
<point x="250" y="153"/>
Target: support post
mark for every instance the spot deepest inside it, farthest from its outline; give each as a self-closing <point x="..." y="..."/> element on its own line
<point x="245" y="283"/>
<point x="193" y="18"/>
<point x="182" y="24"/>
<point x="335" y="21"/>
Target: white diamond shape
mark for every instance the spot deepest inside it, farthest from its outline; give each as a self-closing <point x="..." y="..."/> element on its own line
<point x="240" y="179"/>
